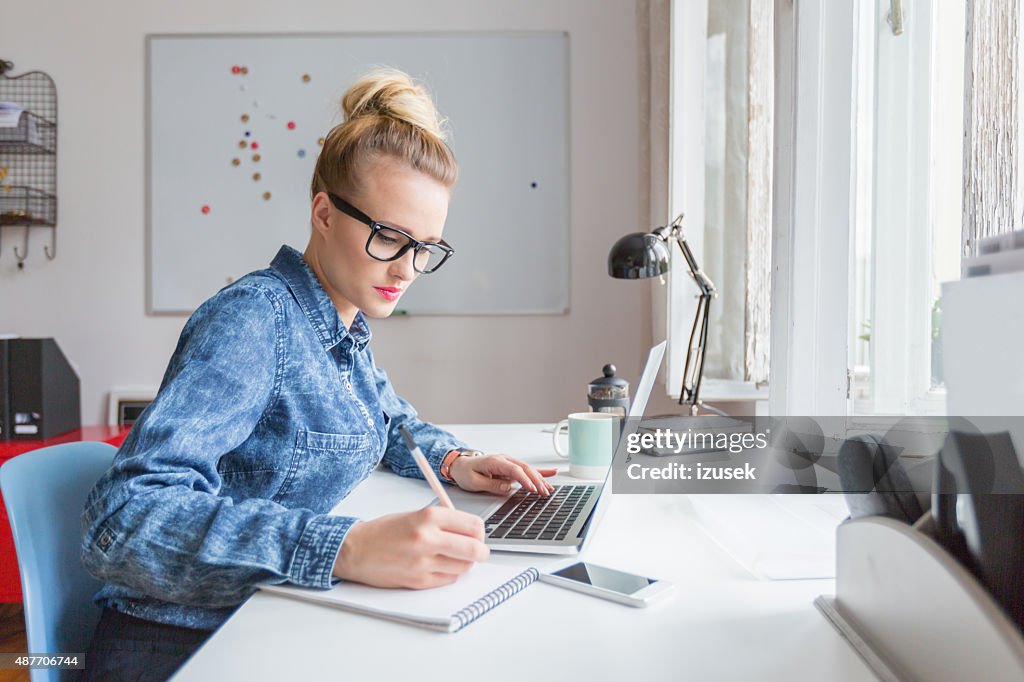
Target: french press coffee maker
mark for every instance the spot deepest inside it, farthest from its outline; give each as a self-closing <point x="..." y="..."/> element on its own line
<point x="609" y="393"/>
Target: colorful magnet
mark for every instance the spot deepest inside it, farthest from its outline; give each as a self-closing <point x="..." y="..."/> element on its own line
<point x="302" y="153"/>
<point x="266" y="196"/>
<point x="205" y="209"/>
<point x="256" y="158"/>
<point x="305" y="78"/>
<point x="256" y="177"/>
<point x="245" y="118"/>
<point x="242" y="144"/>
<point x="320" y="142"/>
<point x="247" y="133"/>
<point x="245" y="70"/>
<point x="291" y="125"/>
<point x="235" y="162"/>
<point x="236" y="69"/>
<point x="255" y="145"/>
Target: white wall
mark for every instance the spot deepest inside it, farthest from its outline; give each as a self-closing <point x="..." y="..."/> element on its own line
<point x="454" y="369"/>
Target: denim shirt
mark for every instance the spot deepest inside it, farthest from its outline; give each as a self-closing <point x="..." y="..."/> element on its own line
<point x="270" y="412"/>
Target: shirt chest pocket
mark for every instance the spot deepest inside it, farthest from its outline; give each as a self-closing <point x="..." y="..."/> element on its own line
<point x="325" y="467"/>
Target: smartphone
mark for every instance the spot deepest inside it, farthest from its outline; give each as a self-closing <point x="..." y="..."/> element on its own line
<point x="608" y="583"/>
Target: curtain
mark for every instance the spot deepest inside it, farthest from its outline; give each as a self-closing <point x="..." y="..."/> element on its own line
<point x="992" y="122"/>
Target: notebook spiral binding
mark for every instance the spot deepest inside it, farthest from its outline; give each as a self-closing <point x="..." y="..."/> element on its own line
<point x="495" y="597"/>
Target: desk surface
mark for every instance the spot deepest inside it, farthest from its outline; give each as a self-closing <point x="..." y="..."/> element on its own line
<point x="721" y="622"/>
<point x="114" y="435"/>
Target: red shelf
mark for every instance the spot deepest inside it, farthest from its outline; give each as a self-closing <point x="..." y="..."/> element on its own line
<point x="10" y="580"/>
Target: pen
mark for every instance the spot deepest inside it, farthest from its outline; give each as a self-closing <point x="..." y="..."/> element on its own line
<point x="428" y="473"/>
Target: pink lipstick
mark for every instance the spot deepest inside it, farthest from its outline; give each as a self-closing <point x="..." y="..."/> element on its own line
<point x="390" y="293"/>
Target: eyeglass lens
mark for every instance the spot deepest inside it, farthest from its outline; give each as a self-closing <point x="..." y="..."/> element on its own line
<point x="386" y="243"/>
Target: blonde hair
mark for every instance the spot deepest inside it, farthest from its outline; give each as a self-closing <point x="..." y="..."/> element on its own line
<point x="386" y="114"/>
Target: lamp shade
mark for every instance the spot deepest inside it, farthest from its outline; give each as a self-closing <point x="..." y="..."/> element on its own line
<point x="637" y="256"/>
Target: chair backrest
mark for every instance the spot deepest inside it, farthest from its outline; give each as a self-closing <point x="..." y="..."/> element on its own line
<point x="44" y="491"/>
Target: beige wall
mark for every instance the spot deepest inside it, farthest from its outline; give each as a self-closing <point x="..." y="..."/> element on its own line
<point x="454" y="369"/>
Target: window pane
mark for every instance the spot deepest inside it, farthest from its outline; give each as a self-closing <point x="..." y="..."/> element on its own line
<point x="725" y="195"/>
<point x="909" y="186"/>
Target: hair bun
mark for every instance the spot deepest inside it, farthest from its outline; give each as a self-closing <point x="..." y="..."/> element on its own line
<point x="386" y="114"/>
<point x="392" y="93"/>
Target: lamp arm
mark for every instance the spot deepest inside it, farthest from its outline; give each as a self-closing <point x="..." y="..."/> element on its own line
<point x="707" y="287"/>
<point x="699" y="370"/>
<point x="693" y="370"/>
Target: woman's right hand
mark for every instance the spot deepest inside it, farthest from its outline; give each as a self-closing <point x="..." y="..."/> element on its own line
<point x="420" y="549"/>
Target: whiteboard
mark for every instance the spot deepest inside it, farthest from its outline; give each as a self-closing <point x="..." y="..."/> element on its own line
<point x="214" y="102"/>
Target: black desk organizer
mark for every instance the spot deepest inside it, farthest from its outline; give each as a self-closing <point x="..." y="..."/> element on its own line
<point x="28" y="159"/>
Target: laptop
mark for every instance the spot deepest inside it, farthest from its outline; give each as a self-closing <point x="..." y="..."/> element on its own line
<point x="563" y="522"/>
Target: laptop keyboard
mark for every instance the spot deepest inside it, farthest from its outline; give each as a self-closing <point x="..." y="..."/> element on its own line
<point x="528" y="516"/>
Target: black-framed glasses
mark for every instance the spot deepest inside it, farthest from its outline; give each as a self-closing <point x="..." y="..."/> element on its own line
<point x="388" y="243"/>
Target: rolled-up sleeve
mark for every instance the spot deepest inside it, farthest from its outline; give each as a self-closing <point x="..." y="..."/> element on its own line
<point x="155" y="521"/>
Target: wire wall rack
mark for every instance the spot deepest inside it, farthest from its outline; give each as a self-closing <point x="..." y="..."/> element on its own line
<point x="28" y="157"/>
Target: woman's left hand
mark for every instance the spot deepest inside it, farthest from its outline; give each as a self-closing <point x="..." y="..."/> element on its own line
<point x="496" y="473"/>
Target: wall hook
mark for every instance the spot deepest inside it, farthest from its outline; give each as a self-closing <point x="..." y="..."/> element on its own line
<point x="51" y="250"/>
<point x="22" y="256"/>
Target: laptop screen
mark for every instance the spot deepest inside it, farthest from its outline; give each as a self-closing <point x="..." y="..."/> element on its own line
<point x="632" y="423"/>
<point x="643" y="389"/>
<point x="643" y="392"/>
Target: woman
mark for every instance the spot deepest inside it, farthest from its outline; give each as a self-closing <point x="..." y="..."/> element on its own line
<point x="272" y="410"/>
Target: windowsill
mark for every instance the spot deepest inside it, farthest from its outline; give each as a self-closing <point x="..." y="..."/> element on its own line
<point x="931" y="403"/>
<point x="728" y="390"/>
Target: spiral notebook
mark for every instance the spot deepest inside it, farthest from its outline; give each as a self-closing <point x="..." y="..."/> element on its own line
<point x="447" y="609"/>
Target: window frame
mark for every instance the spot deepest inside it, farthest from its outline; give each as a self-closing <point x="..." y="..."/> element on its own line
<point x="900" y="214"/>
<point x="825" y="183"/>
<point x="813" y="209"/>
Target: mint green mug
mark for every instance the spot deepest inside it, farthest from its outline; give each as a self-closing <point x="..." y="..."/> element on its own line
<point x="591" y="443"/>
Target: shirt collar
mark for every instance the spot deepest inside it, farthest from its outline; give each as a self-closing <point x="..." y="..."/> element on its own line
<point x="315" y="303"/>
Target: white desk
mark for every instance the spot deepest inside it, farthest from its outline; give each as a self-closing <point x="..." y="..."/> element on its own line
<point x="721" y="623"/>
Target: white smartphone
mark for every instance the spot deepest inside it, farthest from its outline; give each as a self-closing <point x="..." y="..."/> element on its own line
<point x="607" y="583"/>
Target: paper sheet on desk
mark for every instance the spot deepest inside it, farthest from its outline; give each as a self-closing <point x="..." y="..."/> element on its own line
<point x="778" y="537"/>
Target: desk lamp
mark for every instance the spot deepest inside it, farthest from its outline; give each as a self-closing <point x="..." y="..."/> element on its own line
<point x="639" y="256"/>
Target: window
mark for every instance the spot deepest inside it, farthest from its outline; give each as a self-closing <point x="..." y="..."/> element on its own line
<point x="868" y="210"/>
<point x="720" y="170"/>
<point x="908" y="207"/>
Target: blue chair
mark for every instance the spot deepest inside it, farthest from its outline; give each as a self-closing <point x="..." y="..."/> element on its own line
<point x="44" y="491"/>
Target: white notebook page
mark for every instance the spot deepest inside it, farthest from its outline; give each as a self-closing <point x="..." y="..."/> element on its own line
<point x="435" y="606"/>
